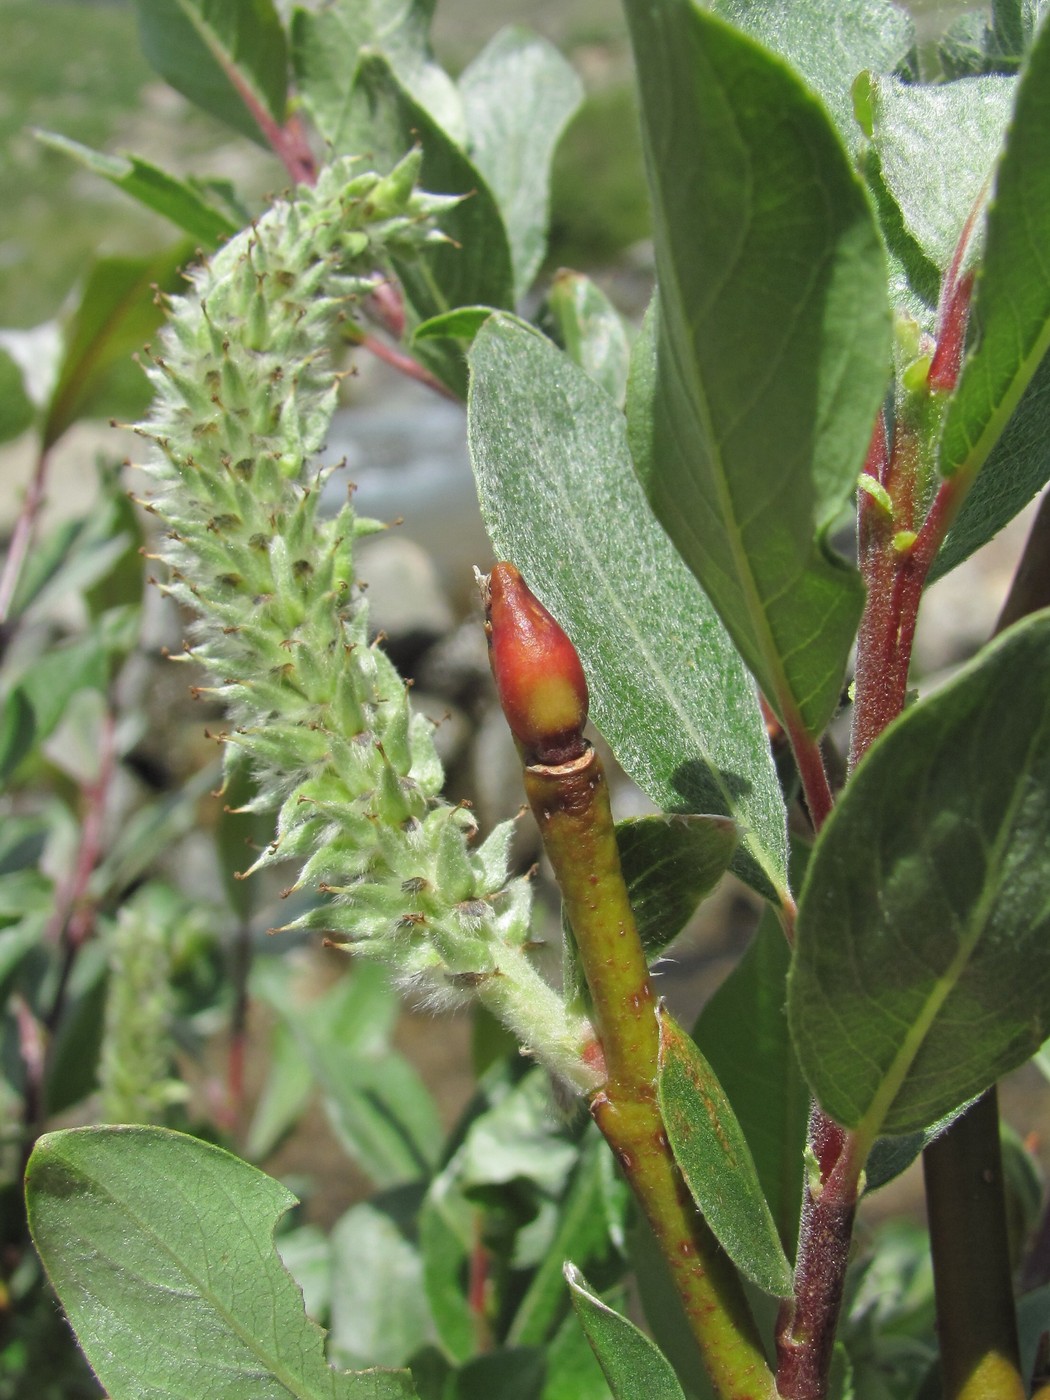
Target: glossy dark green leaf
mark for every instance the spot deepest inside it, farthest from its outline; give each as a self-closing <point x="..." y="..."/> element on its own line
<point x="754" y="392"/>
<point x="1011" y="331"/>
<point x="923" y="924"/>
<point x="16" y="407"/>
<point x="327" y="43"/>
<point x="632" y="1364"/>
<point x="937" y="145"/>
<point x="668" y="689"/>
<point x="670" y="864"/>
<point x="117" y="314"/>
<point x="829" y="42"/>
<point x="230" y="57"/>
<point x="160" y="1248"/>
<point x="743" y="1033"/>
<point x="584" y="322"/>
<point x="474" y="267"/>
<point x="518" y="95"/>
<point x="713" y="1156"/>
<point x="179" y="201"/>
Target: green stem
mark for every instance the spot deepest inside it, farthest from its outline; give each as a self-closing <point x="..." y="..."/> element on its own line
<point x="976" y="1324"/>
<point x="571" y="803"/>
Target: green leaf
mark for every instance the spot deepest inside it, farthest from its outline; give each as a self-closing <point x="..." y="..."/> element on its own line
<point x="632" y="1364"/>
<point x="712" y="1153"/>
<point x="573" y="1371"/>
<point x="923" y="924"/>
<point x="754" y="391"/>
<point x="116" y="315"/>
<point x="743" y="1032"/>
<point x="285" y="1094"/>
<point x="474" y="267"/>
<point x="17" y="730"/>
<point x="583" y="321"/>
<point x="160" y="1248"/>
<point x="176" y="199"/>
<point x="670" y="864"/>
<point x="230" y="57"/>
<point x="518" y="95"/>
<point x="326" y="46"/>
<point x="447" y="1222"/>
<point x="1012" y="303"/>
<point x="511" y="1373"/>
<point x="668" y="690"/>
<point x="937" y="146"/>
<point x="582" y="1233"/>
<point x="829" y="42"/>
<point x="16" y="407"/>
<point x="461" y="324"/>
<point x="52" y="680"/>
<point x="379" y="1310"/>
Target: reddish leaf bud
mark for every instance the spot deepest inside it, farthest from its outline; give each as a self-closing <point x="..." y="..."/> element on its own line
<point x="538" y="675"/>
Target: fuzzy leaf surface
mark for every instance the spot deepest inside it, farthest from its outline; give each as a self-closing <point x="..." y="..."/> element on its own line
<point x="668" y="689"/>
<point x="160" y="1248"/>
<point x="176" y="199"/>
<point x="632" y="1364"/>
<point x="937" y="145"/>
<point x="924" y="924"/>
<point x="829" y="42"/>
<point x="221" y="54"/>
<point x="327" y="43"/>
<point x="518" y="95"/>
<point x="743" y="1033"/>
<point x="584" y="322"/>
<point x="1011" y="331"/>
<point x="712" y="1153"/>
<point x="669" y="865"/>
<point x="754" y="392"/>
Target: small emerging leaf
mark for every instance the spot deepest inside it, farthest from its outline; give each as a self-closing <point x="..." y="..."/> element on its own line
<point x="712" y="1153"/>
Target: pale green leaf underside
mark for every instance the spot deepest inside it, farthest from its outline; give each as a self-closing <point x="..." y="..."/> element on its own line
<point x="937" y="146"/>
<point x="160" y="1248"/>
<point x="922" y="966"/>
<point x="518" y="95"/>
<point x="752" y="404"/>
<point x="561" y="501"/>
<point x="1012" y="300"/>
<point x="713" y="1156"/>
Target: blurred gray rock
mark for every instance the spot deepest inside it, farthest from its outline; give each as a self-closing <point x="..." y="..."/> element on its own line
<point x="405" y="596"/>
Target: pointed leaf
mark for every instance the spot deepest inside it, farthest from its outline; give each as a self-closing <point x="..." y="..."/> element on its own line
<point x="743" y="1032"/>
<point x="160" y="1248"/>
<point x="1011" y="333"/>
<point x="668" y="689"/>
<point x="632" y="1364"/>
<point x="923" y="924"/>
<point x="116" y="315"/>
<point x="754" y="395"/>
<point x="712" y="1153"/>
<point x="519" y="94"/>
<point x="230" y="57"/>
<point x="937" y="145"/>
<point x="670" y="864"/>
<point x="583" y="321"/>
<point x="166" y="194"/>
<point x="17" y="730"/>
<point x="829" y="42"/>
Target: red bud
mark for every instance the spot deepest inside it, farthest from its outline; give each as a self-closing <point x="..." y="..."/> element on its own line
<point x="538" y="675"/>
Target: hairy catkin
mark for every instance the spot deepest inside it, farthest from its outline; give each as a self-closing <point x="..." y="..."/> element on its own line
<point x="245" y="386"/>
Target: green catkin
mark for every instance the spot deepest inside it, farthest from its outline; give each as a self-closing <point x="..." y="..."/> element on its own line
<point x="244" y="389"/>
